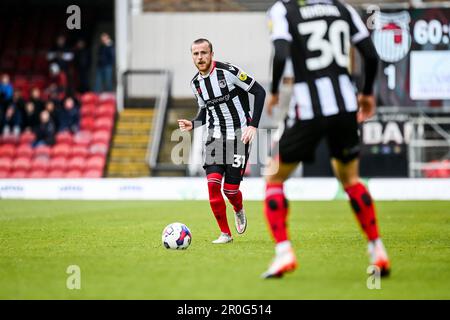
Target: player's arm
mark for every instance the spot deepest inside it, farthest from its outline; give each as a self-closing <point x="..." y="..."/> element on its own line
<point x="361" y="40"/>
<point x="241" y="79"/>
<point x="199" y="120"/>
<point x="281" y="39"/>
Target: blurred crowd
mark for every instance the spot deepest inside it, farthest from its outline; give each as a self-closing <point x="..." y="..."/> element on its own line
<point x="55" y="108"/>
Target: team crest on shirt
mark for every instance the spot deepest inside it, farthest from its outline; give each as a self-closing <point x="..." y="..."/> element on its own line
<point x="222" y="84"/>
<point x="242" y="76"/>
<point x="391" y="36"/>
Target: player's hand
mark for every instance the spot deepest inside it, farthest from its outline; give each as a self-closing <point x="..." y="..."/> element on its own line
<point x="366" y="107"/>
<point x="185" y="125"/>
<point x="273" y="102"/>
<point x="248" y="135"/>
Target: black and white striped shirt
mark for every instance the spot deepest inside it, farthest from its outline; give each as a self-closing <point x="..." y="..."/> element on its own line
<point x="223" y="93"/>
<point x="320" y="33"/>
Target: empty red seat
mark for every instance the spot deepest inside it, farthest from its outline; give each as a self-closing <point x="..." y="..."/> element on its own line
<point x="73" y="174"/>
<point x="41" y="64"/>
<point x="42" y="151"/>
<point x="7" y="151"/>
<point x="21" y="164"/>
<point x="93" y="173"/>
<point x="27" y="137"/>
<point x="64" y="138"/>
<point x="95" y="162"/>
<point x="107" y="97"/>
<point x="106" y="110"/>
<point x="60" y="150"/>
<point x="38" y="81"/>
<point x="104" y="123"/>
<point x="24" y="62"/>
<point x="101" y="136"/>
<point x="19" y="174"/>
<point x="88" y="110"/>
<point x="79" y="151"/>
<point x="5" y="164"/>
<point x="57" y="173"/>
<point x="10" y="139"/>
<point x="76" y="163"/>
<point x="59" y="163"/>
<point x="87" y="123"/>
<point x="37" y="174"/>
<point x="82" y="138"/>
<point x="89" y="97"/>
<point x="24" y="150"/>
<point x="4" y="174"/>
<point x="40" y="163"/>
<point x="100" y="148"/>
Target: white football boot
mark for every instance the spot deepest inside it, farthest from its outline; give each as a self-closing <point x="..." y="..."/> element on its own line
<point x="240" y="220"/>
<point x="284" y="261"/>
<point x="223" y="238"/>
<point x="378" y="257"/>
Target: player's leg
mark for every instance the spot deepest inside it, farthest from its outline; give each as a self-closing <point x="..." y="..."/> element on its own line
<point x="276" y="213"/>
<point x="214" y="174"/>
<point x="364" y="209"/>
<point x="234" y="172"/>
<point x="296" y="144"/>
<point x="343" y="141"/>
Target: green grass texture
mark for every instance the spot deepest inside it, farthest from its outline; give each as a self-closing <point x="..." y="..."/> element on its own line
<point x="118" y="249"/>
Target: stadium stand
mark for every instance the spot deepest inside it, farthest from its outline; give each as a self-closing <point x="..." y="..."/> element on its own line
<point x="78" y="155"/>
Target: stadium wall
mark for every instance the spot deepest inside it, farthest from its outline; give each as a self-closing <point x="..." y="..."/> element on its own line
<point x="163" y="40"/>
<point x="182" y="189"/>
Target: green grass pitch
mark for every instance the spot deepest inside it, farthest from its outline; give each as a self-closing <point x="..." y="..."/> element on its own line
<point x="117" y="246"/>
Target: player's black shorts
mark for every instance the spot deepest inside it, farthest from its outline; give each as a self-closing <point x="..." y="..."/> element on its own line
<point x="227" y="157"/>
<point x="298" y="143"/>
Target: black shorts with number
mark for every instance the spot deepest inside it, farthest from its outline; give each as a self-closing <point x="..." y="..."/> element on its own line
<point x="227" y="157"/>
<point x="298" y="143"/>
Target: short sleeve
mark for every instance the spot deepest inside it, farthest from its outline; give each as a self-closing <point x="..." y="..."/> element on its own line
<point x="200" y="101"/>
<point x="358" y="30"/>
<point x="278" y="23"/>
<point x="240" y="78"/>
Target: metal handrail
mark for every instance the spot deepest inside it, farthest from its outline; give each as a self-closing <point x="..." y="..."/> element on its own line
<point x="161" y="102"/>
<point x="158" y="122"/>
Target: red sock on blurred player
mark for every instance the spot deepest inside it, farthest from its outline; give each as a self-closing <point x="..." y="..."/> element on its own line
<point x="364" y="209"/>
<point x="217" y="202"/>
<point x="276" y="210"/>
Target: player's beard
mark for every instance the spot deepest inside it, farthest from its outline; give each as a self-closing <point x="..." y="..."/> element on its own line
<point x="205" y="66"/>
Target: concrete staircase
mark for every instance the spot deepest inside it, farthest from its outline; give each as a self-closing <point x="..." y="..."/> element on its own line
<point x="129" y="147"/>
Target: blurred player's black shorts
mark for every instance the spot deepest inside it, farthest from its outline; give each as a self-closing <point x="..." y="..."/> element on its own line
<point x="299" y="142"/>
<point x="227" y="157"/>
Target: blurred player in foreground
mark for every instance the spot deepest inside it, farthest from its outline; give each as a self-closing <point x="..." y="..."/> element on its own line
<point x="317" y="36"/>
<point x="222" y="91"/>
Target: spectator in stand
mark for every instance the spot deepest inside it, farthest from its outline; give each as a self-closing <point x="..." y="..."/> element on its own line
<point x="53" y="110"/>
<point x="45" y="131"/>
<point x="35" y="97"/>
<point x="12" y="121"/>
<point x="69" y="117"/>
<point x="18" y="100"/>
<point x="6" y="91"/>
<point x="105" y="64"/>
<point x="30" y="117"/>
<point x="60" y="53"/>
<point x="82" y="61"/>
<point x="58" y="81"/>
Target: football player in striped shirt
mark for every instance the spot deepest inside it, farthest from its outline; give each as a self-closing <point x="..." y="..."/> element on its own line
<point x="317" y="35"/>
<point x="221" y="90"/>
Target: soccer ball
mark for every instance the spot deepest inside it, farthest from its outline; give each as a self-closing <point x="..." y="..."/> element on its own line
<point x="176" y="236"/>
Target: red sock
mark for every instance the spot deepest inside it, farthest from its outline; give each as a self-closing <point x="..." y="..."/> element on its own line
<point x="234" y="195"/>
<point x="216" y="201"/>
<point x="364" y="209"/>
<point x="276" y="210"/>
